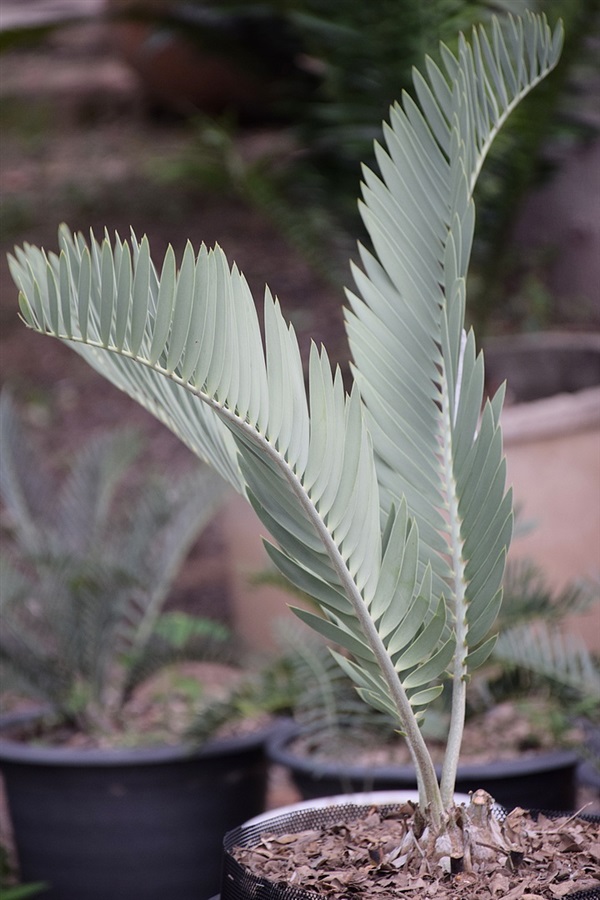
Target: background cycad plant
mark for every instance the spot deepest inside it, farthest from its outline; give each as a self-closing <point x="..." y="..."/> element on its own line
<point x="535" y="644"/>
<point x="89" y="561"/>
<point x="388" y="506"/>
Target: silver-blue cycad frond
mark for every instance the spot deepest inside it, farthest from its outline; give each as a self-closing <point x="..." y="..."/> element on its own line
<point x="417" y="370"/>
<point x="388" y="505"/>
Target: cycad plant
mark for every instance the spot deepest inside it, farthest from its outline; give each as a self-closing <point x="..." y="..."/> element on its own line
<point x="535" y="644"/>
<point x="387" y="505"/>
<point x="90" y="560"/>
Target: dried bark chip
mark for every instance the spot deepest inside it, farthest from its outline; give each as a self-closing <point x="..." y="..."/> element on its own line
<point x="366" y="859"/>
<point x="594" y="850"/>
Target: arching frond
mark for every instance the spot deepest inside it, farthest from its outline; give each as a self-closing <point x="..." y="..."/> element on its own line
<point x="187" y="344"/>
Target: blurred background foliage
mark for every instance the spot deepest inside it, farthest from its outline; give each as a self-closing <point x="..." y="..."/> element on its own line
<point x="329" y="70"/>
<point x="338" y="66"/>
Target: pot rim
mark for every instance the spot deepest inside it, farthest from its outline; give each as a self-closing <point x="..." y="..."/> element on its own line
<point x="562" y="413"/>
<point x="352" y="802"/>
<point x="279" y="752"/>
<point x="22" y="753"/>
<point x="363" y="798"/>
<point x="552" y="339"/>
<point x="551" y="417"/>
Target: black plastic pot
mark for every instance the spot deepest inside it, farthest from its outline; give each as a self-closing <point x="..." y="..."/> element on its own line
<point x="544" y="781"/>
<point x="127" y="824"/>
<point x="238" y="884"/>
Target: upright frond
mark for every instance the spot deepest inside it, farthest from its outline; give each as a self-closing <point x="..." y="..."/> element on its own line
<point x="418" y="372"/>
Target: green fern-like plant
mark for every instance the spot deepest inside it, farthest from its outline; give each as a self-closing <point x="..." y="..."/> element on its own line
<point x="534" y="648"/>
<point x="387" y="505"/>
<point x="89" y="562"/>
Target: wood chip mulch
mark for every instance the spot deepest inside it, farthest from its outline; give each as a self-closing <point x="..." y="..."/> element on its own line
<point x="359" y="858"/>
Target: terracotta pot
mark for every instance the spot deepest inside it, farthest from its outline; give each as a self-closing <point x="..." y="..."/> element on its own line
<point x="256" y="609"/>
<point x="551" y="427"/>
<point x="120" y="824"/>
<point x="248" y="61"/>
<point x="174" y="74"/>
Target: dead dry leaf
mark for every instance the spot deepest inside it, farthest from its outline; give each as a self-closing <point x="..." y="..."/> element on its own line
<point x="349" y="861"/>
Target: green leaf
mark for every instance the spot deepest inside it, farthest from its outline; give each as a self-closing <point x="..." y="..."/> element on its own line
<point x="141" y="296"/>
<point x="478" y="657"/>
<point x="179" y="628"/>
<point x="429" y="167"/>
<point x="424" y="645"/>
<point x="435" y="666"/>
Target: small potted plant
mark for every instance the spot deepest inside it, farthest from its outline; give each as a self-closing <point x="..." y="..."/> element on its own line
<point x="100" y="773"/>
<point x="389" y="505"/>
<point x="527" y="709"/>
